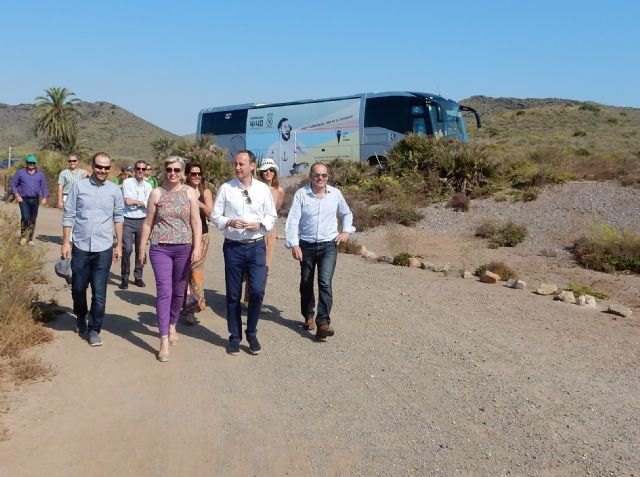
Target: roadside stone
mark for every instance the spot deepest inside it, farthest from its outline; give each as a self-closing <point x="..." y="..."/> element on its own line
<point x="415" y="262"/>
<point x="428" y="266"/>
<point x="363" y="251"/>
<point x="442" y="268"/>
<point x="489" y="277"/>
<point x="385" y="259"/>
<point x="565" y="296"/>
<point x="586" y="300"/>
<point x="546" y="289"/>
<point x="371" y="256"/>
<point x="466" y="274"/>
<point x="620" y="310"/>
<point x="517" y="284"/>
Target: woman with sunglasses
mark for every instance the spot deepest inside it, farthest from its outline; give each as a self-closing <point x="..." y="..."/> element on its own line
<point x="268" y="173"/>
<point x="194" y="298"/>
<point x="173" y="227"/>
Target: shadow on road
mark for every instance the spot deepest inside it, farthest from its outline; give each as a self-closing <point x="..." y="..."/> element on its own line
<point x="57" y="239"/>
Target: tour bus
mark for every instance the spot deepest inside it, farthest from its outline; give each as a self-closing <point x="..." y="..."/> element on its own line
<point x="359" y="127"/>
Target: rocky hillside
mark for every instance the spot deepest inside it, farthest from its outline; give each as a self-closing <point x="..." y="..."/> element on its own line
<point x="103" y="126"/>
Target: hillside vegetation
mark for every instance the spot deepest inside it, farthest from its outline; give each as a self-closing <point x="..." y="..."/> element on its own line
<point x="591" y="140"/>
<point x="102" y="127"/>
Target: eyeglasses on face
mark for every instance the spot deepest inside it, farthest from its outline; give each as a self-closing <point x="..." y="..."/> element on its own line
<point x="195" y="174"/>
<point x="317" y="175"/>
<point x="271" y="169"/>
<point x="101" y="168"/>
<point x="245" y="193"/>
<point x="72" y="160"/>
<point x="175" y="170"/>
<point x="148" y="168"/>
<point x="141" y="168"/>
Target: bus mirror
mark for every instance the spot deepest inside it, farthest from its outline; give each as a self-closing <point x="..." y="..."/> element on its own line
<point x="475" y="113"/>
<point x="439" y="115"/>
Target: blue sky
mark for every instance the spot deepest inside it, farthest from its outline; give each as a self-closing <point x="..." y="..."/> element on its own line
<point x="166" y="60"/>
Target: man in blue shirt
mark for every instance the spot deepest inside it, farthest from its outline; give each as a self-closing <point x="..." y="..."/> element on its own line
<point x="93" y="209"/>
<point x="29" y="187"/>
<point x="312" y="235"/>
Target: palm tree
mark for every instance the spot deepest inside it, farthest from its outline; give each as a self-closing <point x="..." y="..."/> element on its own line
<point x="56" y="118"/>
<point x="162" y="147"/>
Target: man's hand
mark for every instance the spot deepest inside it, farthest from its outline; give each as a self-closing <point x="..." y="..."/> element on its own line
<point x="253" y="226"/>
<point x="60" y="204"/>
<point x="65" y="250"/>
<point x="237" y="224"/>
<point x="18" y="198"/>
<point x="342" y="237"/>
<point x="43" y="201"/>
<point x="117" y="253"/>
<point x="296" y="252"/>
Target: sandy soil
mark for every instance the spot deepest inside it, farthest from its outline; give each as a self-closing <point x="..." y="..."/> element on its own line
<point x="427" y="375"/>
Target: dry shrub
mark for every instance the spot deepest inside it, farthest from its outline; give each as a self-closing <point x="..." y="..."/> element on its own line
<point x="459" y="202"/>
<point x="499" y="268"/>
<point x="350" y="246"/>
<point x="28" y="369"/>
<point x="507" y="235"/>
<point x="20" y="267"/>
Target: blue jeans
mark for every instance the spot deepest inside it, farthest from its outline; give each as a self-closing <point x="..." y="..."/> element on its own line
<point x="322" y="255"/>
<point x="28" y="213"/>
<point x="90" y="268"/>
<point x="241" y="258"/>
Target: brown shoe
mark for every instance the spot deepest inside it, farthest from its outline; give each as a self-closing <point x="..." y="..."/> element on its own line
<point x="323" y="331"/>
<point x="309" y="324"/>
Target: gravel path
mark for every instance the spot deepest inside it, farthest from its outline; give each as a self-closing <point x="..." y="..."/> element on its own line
<point x="427" y="375"/>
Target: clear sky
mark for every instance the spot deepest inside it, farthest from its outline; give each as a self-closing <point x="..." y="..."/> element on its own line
<point x="166" y="60"/>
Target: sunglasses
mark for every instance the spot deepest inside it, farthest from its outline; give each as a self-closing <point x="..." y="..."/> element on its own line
<point x="195" y="174"/>
<point x="175" y="170"/>
<point x="245" y="193"/>
<point x="101" y="168"/>
<point x="319" y="176"/>
<point x="271" y="169"/>
<point x="141" y="168"/>
<point x="72" y="160"/>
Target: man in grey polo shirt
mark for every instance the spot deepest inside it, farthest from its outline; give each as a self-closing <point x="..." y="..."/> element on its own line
<point x="93" y="209"/>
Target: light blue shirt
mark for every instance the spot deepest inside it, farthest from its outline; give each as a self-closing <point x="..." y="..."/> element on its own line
<point x="315" y="219"/>
<point x="91" y="209"/>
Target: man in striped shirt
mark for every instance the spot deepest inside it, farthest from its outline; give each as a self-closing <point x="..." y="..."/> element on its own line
<point x="67" y="177"/>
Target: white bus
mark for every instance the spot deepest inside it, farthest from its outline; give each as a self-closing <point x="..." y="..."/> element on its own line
<point x="359" y="127"/>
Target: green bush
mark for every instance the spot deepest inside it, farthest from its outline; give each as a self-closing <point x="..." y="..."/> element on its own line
<point x="507" y="235"/>
<point x="581" y="289"/>
<point x="608" y="249"/>
<point x="402" y="259"/>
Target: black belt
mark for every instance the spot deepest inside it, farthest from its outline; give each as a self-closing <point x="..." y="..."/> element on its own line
<point x="247" y="241"/>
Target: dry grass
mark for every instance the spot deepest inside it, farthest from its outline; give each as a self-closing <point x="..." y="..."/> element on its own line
<point x="20" y="267"/>
<point x="26" y="369"/>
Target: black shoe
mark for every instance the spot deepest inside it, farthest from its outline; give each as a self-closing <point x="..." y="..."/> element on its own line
<point x="233" y="347"/>
<point x="323" y="331"/>
<point x="254" y="345"/>
<point x="124" y="284"/>
<point x="139" y="283"/>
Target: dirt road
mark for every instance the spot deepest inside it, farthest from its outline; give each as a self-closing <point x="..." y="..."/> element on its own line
<point x="427" y="375"/>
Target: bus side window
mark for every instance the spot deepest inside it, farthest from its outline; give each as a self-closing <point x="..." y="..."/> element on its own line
<point x="419" y="127"/>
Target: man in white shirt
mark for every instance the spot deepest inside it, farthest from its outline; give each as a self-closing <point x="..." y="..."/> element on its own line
<point x="312" y="235"/>
<point x="136" y="191"/>
<point x="245" y="212"/>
